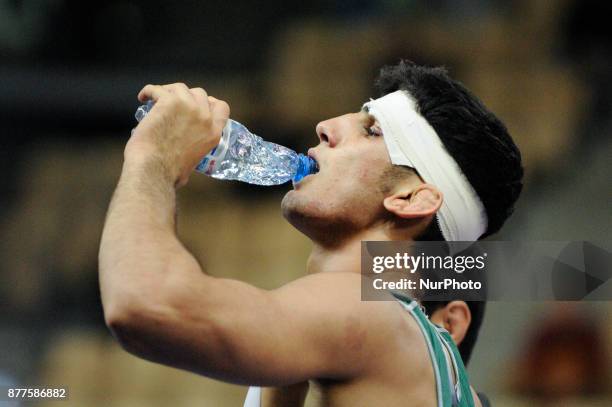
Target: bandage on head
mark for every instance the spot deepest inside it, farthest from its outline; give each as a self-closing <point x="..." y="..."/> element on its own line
<point x="411" y="141"/>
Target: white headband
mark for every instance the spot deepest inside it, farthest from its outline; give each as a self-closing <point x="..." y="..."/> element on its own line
<point x="413" y="142"/>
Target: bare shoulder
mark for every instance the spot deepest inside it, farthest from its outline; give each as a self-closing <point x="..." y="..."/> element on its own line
<point x="337" y="290"/>
<point x="335" y="298"/>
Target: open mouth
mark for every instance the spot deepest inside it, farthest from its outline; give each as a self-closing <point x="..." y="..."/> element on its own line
<point x="314" y="165"/>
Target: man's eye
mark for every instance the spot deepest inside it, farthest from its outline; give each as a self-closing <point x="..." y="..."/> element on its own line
<point x="373" y="131"/>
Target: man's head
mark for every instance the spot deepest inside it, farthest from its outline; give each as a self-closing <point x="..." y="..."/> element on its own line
<point x="358" y="188"/>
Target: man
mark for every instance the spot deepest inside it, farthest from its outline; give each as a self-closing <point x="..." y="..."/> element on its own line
<point x="374" y="165"/>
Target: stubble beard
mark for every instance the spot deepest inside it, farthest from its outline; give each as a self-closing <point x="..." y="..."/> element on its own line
<point x="324" y="223"/>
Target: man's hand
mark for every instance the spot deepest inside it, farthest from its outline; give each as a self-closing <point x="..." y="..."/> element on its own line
<point x="181" y="128"/>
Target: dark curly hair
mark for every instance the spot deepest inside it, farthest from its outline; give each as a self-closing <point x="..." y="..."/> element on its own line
<point x="477" y="140"/>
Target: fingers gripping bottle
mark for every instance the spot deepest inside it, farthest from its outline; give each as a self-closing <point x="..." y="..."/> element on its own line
<point x="243" y="156"/>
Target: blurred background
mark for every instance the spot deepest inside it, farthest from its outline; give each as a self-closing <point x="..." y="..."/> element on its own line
<point x="69" y="75"/>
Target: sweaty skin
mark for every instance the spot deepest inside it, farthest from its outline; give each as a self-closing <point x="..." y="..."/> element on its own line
<point x="162" y="307"/>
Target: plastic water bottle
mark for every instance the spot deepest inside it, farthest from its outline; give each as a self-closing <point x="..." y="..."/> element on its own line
<point x="243" y="156"/>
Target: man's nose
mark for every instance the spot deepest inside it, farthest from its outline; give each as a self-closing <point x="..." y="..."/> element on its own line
<point x="325" y="131"/>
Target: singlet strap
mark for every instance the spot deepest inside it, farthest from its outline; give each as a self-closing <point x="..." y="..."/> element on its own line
<point x="444" y="356"/>
<point x="464" y="390"/>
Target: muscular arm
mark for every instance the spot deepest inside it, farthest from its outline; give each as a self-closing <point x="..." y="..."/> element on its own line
<point x="163" y="308"/>
<point x="139" y="249"/>
<point x="160" y="305"/>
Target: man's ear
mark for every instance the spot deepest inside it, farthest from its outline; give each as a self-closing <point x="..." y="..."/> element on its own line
<point x="421" y="201"/>
<point x="455" y="317"/>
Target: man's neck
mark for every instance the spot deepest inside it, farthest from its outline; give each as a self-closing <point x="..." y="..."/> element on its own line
<point x="347" y="255"/>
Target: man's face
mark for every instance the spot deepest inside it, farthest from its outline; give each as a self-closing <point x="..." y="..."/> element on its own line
<point x="345" y="194"/>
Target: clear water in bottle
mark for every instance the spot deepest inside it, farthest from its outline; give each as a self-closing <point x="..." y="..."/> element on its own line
<point x="243" y="156"/>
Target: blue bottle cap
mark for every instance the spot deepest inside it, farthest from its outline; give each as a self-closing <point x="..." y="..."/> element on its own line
<point x="306" y="166"/>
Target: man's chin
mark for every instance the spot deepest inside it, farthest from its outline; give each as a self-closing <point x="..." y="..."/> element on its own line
<point x="298" y="211"/>
<point x="289" y="206"/>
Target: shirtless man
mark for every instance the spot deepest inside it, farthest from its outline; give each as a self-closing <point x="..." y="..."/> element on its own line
<point x="426" y="161"/>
